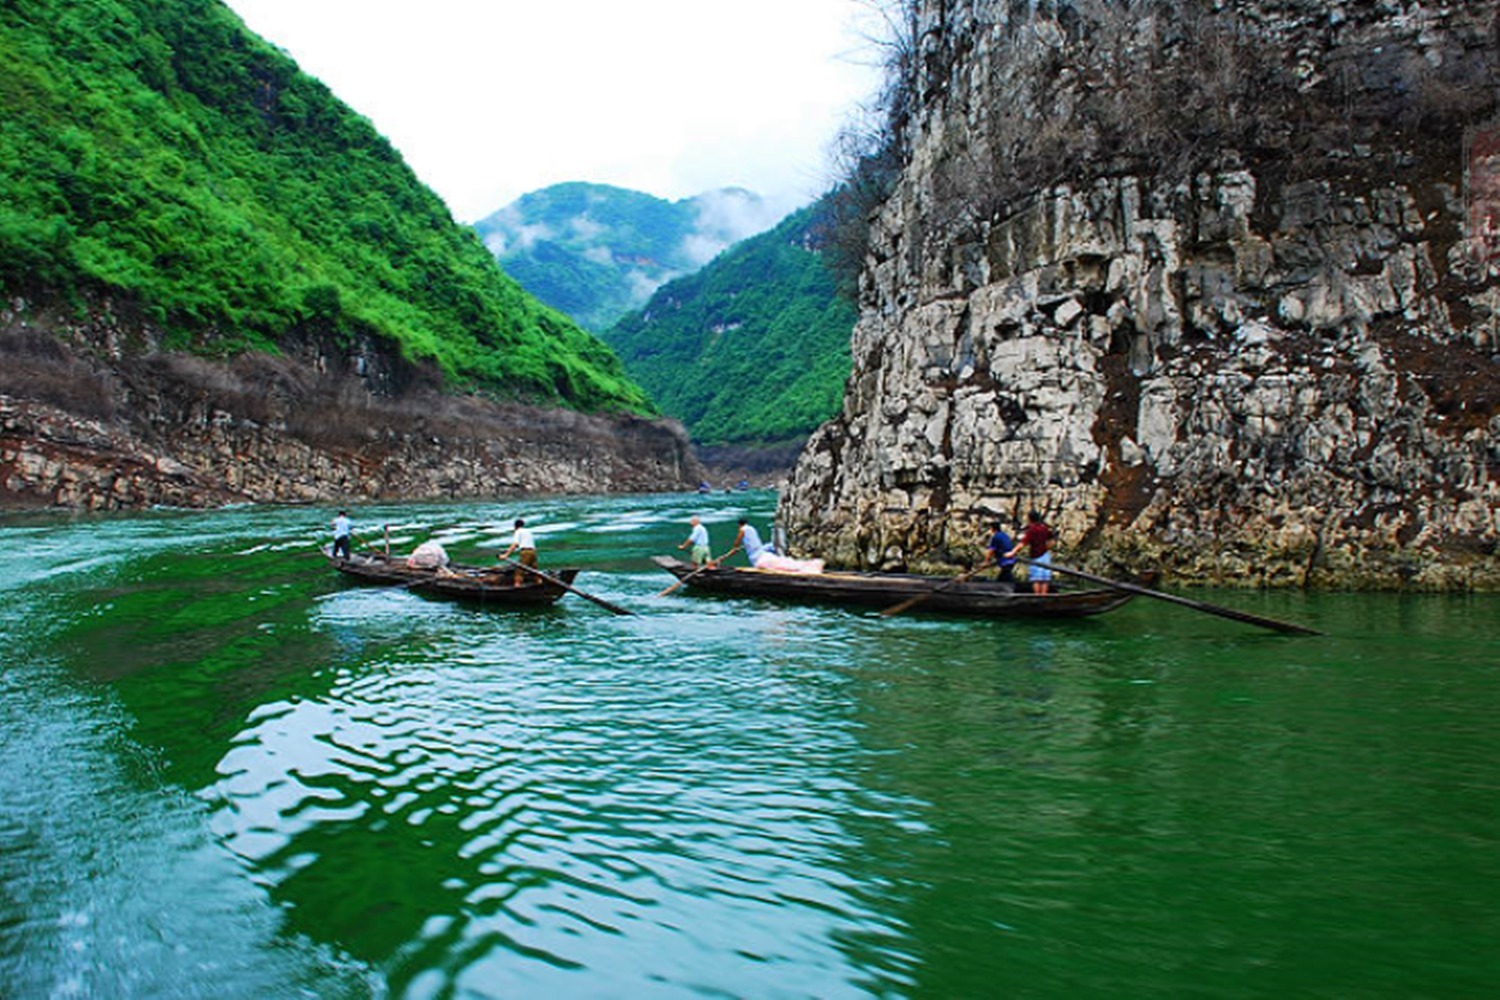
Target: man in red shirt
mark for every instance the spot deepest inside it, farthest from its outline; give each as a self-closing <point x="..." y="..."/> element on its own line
<point x="1038" y="538"/>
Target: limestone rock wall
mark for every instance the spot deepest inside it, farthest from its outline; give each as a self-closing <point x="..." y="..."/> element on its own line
<point x="1267" y="372"/>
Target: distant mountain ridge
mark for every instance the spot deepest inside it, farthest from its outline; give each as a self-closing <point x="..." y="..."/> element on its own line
<point x="753" y="349"/>
<point x="596" y="252"/>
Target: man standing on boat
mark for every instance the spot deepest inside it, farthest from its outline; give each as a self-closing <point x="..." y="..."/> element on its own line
<point x="1038" y="538"/>
<point x="343" y="534"/>
<point x="698" y="539"/>
<point x="999" y="554"/>
<point x="524" y="543"/>
<point x="748" y="539"/>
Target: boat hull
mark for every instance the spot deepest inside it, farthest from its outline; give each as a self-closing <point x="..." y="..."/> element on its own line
<point x="980" y="598"/>
<point x="476" y="584"/>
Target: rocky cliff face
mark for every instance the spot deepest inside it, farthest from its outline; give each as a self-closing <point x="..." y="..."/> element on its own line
<point x="1270" y="358"/>
<point x="94" y="415"/>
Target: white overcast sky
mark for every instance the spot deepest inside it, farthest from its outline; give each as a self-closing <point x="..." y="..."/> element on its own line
<point x="490" y="99"/>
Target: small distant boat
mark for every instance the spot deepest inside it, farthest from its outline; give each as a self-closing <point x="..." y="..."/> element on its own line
<point x="478" y="584"/>
<point x="942" y="595"/>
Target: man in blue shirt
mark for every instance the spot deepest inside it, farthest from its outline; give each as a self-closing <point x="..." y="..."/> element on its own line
<point x="999" y="553"/>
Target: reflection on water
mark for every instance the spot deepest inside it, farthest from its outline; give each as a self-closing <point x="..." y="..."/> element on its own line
<point x="218" y="756"/>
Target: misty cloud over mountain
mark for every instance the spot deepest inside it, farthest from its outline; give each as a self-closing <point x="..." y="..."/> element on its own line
<point x="597" y="252"/>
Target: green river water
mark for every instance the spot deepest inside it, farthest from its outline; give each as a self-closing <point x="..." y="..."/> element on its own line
<point x="224" y="772"/>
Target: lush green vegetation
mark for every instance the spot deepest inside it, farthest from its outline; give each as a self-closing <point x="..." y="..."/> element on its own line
<point x="596" y="252"/>
<point x="156" y="148"/>
<point x="752" y="349"/>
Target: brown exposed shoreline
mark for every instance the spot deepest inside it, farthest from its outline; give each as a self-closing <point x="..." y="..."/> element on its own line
<point x="95" y="415"/>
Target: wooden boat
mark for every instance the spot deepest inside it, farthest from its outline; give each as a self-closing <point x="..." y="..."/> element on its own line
<point x="479" y="584"/>
<point x="982" y="598"/>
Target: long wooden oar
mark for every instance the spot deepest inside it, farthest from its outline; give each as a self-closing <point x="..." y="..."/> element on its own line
<point x="911" y="602"/>
<point x="572" y="589"/>
<point x="700" y="569"/>
<point x="1289" y="628"/>
<point x="366" y="545"/>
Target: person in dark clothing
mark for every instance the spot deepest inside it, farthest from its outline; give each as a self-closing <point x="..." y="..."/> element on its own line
<point x="998" y="554"/>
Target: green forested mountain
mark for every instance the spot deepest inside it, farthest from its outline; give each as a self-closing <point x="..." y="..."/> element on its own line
<point x="596" y="252"/>
<point x="752" y="349"/>
<point x="158" y="150"/>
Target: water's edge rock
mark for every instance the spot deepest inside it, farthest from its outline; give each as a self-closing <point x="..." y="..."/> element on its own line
<point x="95" y="415"/>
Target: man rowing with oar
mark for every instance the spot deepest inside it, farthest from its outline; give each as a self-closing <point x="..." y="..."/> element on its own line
<point x="698" y="540"/>
<point x="998" y="553"/>
<point x="524" y="543"/>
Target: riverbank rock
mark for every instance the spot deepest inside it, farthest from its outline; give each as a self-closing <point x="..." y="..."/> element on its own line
<point x="1280" y="369"/>
<point x="95" y="415"/>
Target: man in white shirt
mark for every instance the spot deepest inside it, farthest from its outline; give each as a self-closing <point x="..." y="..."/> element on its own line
<point x="524" y="543"/>
<point x="343" y="531"/>
<point x="698" y="540"/>
<point x="749" y="541"/>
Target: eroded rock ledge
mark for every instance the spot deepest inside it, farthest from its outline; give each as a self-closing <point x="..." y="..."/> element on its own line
<point x="94" y="415"/>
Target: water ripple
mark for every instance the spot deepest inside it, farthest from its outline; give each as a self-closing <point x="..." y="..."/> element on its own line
<point x="643" y="781"/>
